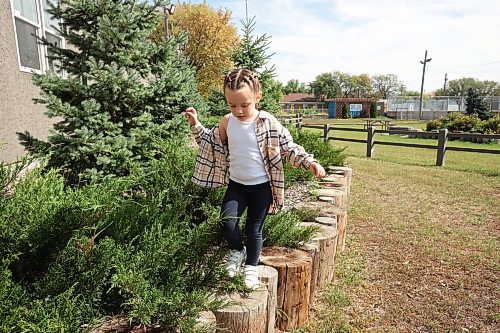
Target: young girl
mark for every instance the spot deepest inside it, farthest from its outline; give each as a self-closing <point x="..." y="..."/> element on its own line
<point x="244" y="151"/>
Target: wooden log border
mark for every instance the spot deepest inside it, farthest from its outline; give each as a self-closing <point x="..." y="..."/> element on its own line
<point x="263" y="313"/>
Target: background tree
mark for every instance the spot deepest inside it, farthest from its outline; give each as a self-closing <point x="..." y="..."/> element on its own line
<point x="252" y="53"/>
<point x="326" y="86"/>
<point x="294" y="86"/>
<point x="122" y="92"/>
<point x="211" y="40"/>
<point x="386" y="85"/>
<point x="474" y="104"/>
<point x="345" y="112"/>
<point x="460" y="87"/>
<point x="361" y="86"/>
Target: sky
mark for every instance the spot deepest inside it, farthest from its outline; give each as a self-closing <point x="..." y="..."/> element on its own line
<point x="310" y="37"/>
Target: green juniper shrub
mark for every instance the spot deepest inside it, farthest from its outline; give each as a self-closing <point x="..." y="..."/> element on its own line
<point x="124" y="245"/>
<point x="283" y="229"/>
<point x="313" y="143"/>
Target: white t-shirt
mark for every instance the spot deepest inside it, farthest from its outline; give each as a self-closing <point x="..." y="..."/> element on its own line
<point x="246" y="165"/>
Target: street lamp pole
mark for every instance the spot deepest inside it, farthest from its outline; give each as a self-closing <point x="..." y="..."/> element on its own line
<point x="422" y="86"/>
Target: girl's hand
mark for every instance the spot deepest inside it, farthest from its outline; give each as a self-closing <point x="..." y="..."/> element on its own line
<point x="317" y="170"/>
<point x="191" y="116"/>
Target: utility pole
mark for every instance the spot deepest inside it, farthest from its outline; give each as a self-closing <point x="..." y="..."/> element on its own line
<point x="445" y="80"/>
<point x="246" y="9"/>
<point x="422" y="86"/>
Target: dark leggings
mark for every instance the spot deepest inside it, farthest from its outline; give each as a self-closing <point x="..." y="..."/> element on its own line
<point x="257" y="198"/>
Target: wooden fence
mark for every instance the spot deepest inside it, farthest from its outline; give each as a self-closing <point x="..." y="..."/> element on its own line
<point x="443" y="136"/>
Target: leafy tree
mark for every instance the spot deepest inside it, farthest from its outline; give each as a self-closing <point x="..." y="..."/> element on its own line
<point x="360" y="86"/>
<point x="386" y="85"/>
<point x="474" y="104"/>
<point x="460" y="87"/>
<point x="294" y="86"/>
<point x="211" y="40"/>
<point x="252" y="53"/>
<point x="326" y="86"/>
<point x="122" y="90"/>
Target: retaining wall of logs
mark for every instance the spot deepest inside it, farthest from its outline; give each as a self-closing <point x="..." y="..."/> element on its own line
<point x="291" y="278"/>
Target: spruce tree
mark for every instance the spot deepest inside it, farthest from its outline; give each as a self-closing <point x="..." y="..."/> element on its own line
<point x="121" y="91"/>
<point x="474" y="104"/>
<point x="252" y="53"/>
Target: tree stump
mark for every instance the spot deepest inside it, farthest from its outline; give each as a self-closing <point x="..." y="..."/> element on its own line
<point x="338" y="195"/>
<point x="346" y="172"/>
<point x="294" y="282"/>
<point x="341" y="228"/>
<point x="243" y="314"/>
<point x="312" y="249"/>
<point x="326" y="240"/>
<point x="319" y="208"/>
<point x="206" y="319"/>
<point x="327" y="220"/>
<point x="269" y="277"/>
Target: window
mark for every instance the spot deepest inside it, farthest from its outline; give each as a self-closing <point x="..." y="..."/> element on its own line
<point x="31" y="19"/>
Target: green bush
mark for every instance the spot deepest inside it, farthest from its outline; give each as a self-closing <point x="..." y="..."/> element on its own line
<point x="313" y="143"/>
<point x="491" y="126"/>
<point x="283" y="229"/>
<point x="456" y="122"/>
<point x="126" y="245"/>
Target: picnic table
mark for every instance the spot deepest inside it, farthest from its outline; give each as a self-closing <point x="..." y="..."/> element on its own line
<point x="376" y="122"/>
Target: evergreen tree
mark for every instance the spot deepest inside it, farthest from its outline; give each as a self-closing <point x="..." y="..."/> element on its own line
<point x="373" y="110"/>
<point x="122" y="91"/>
<point x="252" y="53"/>
<point x="474" y="104"/>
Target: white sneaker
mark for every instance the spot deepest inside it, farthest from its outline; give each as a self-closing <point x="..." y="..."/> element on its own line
<point x="234" y="261"/>
<point x="251" y="277"/>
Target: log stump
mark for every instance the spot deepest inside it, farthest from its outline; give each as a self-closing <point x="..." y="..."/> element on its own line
<point x="206" y="319"/>
<point x="346" y="172"/>
<point x="326" y="240"/>
<point x="294" y="282"/>
<point x="312" y="249"/>
<point x="327" y="220"/>
<point x="338" y="195"/>
<point x="243" y="313"/>
<point x="341" y="228"/>
<point x="269" y="277"/>
<point x="323" y="209"/>
<point x="319" y="208"/>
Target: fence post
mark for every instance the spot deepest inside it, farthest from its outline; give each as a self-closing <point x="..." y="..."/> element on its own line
<point x="442" y="141"/>
<point x="299" y="122"/>
<point x="370" y="141"/>
<point x="297" y="117"/>
<point x="326" y="132"/>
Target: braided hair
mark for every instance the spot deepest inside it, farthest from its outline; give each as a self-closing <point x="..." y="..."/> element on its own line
<point x="238" y="77"/>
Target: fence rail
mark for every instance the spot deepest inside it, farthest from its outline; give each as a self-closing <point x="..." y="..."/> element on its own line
<point x="442" y="136"/>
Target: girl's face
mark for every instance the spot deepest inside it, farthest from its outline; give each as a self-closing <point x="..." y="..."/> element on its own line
<point x="242" y="102"/>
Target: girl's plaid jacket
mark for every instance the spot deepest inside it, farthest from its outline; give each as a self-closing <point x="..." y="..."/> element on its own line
<point x="275" y="141"/>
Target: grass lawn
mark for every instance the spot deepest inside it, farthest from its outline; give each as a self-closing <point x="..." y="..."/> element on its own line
<point x="423" y="249"/>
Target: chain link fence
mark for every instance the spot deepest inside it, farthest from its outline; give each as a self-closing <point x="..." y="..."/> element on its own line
<point x="433" y="107"/>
